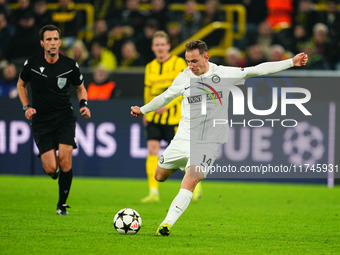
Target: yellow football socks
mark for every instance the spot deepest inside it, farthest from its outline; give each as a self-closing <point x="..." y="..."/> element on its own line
<point x="151" y="164"/>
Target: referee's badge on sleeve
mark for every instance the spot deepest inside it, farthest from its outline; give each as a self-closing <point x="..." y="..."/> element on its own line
<point x="62" y="82"/>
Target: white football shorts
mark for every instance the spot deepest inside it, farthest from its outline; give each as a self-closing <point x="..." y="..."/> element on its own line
<point x="182" y="154"/>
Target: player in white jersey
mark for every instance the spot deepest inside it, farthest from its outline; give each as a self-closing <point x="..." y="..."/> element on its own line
<point x="204" y="87"/>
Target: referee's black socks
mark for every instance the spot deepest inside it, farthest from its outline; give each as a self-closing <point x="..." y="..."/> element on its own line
<point x="65" y="180"/>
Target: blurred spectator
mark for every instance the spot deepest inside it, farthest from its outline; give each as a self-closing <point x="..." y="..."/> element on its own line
<point x="6" y="35"/>
<point x="324" y="46"/>
<point x="278" y="53"/>
<point x="212" y="13"/>
<point x="69" y="20"/>
<point x="42" y="15"/>
<point x="117" y="36"/>
<point x="4" y="8"/>
<point x="191" y="20"/>
<point x="24" y="6"/>
<point x="173" y="29"/>
<point x="130" y="55"/>
<point x="144" y="43"/>
<point x="315" y="61"/>
<point x="107" y="10"/>
<point x="133" y="17"/>
<point x="331" y="18"/>
<point x="255" y="55"/>
<point x="101" y="56"/>
<point x="79" y="53"/>
<point x="256" y="11"/>
<point x="159" y="12"/>
<point x="26" y="41"/>
<point x="100" y="31"/>
<point x="8" y="81"/>
<point x="298" y="39"/>
<point x="263" y="36"/>
<point x="279" y="14"/>
<point x="305" y="15"/>
<point x="101" y="88"/>
<point x="234" y="58"/>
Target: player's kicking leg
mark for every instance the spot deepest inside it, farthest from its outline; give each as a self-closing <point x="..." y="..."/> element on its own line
<point x="198" y="191"/>
<point x="181" y="202"/>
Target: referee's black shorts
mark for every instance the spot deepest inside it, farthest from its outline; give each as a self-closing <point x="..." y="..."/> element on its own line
<point x="160" y="132"/>
<point x="52" y="130"/>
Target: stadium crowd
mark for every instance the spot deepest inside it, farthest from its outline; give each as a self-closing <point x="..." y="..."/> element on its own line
<point x="122" y="32"/>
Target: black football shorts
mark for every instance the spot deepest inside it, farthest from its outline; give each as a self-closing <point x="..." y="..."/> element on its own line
<point x="160" y="132"/>
<point x="49" y="134"/>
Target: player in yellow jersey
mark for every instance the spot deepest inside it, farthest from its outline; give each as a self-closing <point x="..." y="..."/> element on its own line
<point x="161" y="124"/>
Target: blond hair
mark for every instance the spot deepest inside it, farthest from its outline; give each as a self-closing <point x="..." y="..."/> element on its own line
<point x="161" y="34"/>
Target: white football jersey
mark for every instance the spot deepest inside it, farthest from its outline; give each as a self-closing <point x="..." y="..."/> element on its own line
<point x="205" y="99"/>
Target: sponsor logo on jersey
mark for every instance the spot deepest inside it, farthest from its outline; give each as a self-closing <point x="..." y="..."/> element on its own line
<point x="210" y="96"/>
<point x="198" y="98"/>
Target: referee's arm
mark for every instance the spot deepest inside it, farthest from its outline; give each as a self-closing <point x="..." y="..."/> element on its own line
<point x="82" y="97"/>
<point x="22" y="92"/>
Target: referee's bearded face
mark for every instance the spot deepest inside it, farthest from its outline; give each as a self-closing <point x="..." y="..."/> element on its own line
<point x="51" y="42"/>
<point x="198" y="63"/>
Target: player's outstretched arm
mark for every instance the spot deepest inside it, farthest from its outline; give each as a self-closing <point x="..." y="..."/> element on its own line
<point x="136" y="112"/>
<point x="300" y="59"/>
<point x="275" y="66"/>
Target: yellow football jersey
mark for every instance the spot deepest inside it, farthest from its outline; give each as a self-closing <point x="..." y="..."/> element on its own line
<point x="158" y="77"/>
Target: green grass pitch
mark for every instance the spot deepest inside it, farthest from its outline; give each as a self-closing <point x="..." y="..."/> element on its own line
<point x="231" y="218"/>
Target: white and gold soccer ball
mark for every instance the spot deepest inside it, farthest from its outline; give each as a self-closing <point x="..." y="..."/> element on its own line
<point x="127" y="221"/>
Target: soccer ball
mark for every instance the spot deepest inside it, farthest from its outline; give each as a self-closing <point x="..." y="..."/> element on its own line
<point x="127" y="221"/>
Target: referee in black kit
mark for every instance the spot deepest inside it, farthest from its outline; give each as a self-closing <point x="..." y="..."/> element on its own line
<point x="50" y="76"/>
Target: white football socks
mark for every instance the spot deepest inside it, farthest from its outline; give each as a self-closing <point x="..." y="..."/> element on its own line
<point x="178" y="206"/>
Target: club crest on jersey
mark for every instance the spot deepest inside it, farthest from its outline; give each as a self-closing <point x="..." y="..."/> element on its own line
<point x="61" y="82"/>
<point x="215" y="79"/>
